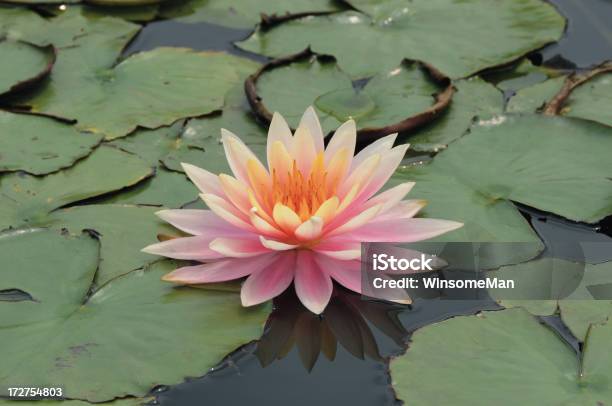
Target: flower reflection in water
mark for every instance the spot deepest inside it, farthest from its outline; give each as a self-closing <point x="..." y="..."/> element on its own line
<point x="346" y="321"/>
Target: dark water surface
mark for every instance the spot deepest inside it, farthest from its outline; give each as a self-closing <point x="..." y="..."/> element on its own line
<point x="291" y="366"/>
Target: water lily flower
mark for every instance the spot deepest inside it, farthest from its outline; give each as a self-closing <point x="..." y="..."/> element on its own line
<point x="294" y="220"/>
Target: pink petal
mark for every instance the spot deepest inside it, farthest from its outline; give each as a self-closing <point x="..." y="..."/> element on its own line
<point x="389" y="163"/>
<point x="310" y="229"/>
<point x="193" y="248"/>
<point x="199" y="222"/>
<point x="344" y="137"/>
<point x="391" y="197"/>
<point x="356" y="222"/>
<point x="346" y="273"/>
<point x="380" y="146"/>
<point x="275" y="245"/>
<point x="401" y="230"/>
<point x="204" y="180"/>
<point x="303" y="151"/>
<point x="313" y="287"/>
<point x="219" y="271"/>
<point x="269" y="282"/>
<point x="238" y="248"/>
<point x="403" y="209"/>
<point x="238" y="155"/>
<point x="226" y="211"/>
<point x="263" y="226"/>
<point x="278" y="131"/>
<point x="310" y="121"/>
<point x="339" y="249"/>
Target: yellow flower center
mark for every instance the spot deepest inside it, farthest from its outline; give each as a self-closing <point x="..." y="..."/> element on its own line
<point x="304" y="195"/>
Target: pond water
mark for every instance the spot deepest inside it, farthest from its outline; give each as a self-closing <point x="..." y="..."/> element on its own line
<point x="297" y="345"/>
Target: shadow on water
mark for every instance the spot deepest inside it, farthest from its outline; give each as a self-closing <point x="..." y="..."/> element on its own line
<point x="340" y="358"/>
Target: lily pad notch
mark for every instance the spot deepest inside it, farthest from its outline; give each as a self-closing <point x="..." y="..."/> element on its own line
<point x="364" y="135"/>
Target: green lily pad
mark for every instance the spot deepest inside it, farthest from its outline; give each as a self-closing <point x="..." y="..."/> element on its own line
<point x="503" y="358"/>
<point x="524" y="74"/>
<point x="23" y="64"/>
<point x="26" y="199"/>
<point x="555" y="164"/>
<point x="139" y="14"/>
<point x="533" y="98"/>
<point x="148" y="89"/>
<point x="580" y="309"/>
<point x="387" y="99"/>
<point x="122" y="230"/>
<point x="459" y="38"/>
<point x="591" y="100"/>
<point x="166" y="188"/>
<point x="64" y="327"/>
<point x="483" y="221"/>
<point x="200" y="141"/>
<point x="40" y="145"/>
<point x="473" y="99"/>
<point x="105" y="37"/>
<point x="239" y="13"/>
<point x="122" y="3"/>
<point x="151" y="145"/>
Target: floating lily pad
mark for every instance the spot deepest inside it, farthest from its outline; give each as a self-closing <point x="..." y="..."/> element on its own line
<point x="503" y="358"/>
<point x="166" y="188"/>
<point x="473" y="99"/>
<point x="588" y="303"/>
<point x="200" y="141"/>
<point x="555" y="164"/>
<point x="391" y="101"/>
<point x="122" y="231"/>
<point x="140" y="14"/>
<point x="148" y="89"/>
<point x="591" y="100"/>
<point x="23" y="64"/>
<point x="70" y="28"/>
<point x="533" y="98"/>
<point x="26" y="199"/>
<point x="459" y="38"/>
<point x="78" y="339"/>
<point x="483" y="220"/>
<point x="122" y="3"/>
<point x="239" y="13"/>
<point x="40" y="145"/>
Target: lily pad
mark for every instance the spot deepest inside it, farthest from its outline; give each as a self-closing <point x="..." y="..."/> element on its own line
<point x="40" y="145"/>
<point x="26" y="199"/>
<point x="148" y="89"/>
<point x="122" y="230"/>
<point x="459" y="38"/>
<point x="393" y="101"/>
<point x="503" y="358"/>
<point x="483" y="220"/>
<point x="591" y="100"/>
<point x="64" y="327"/>
<point x="554" y="164"/>
<point x="122" y="3"/>
<point x="166" y="188"/>
<point x="104" y="36"/>
<point x="584" y="306"/>
<point x="200" y="141"/>
<point x="23" y="64"/>
<point x="473" y="99"/>
<point x="239" y="13"/>
<point x="533" y="98"/>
